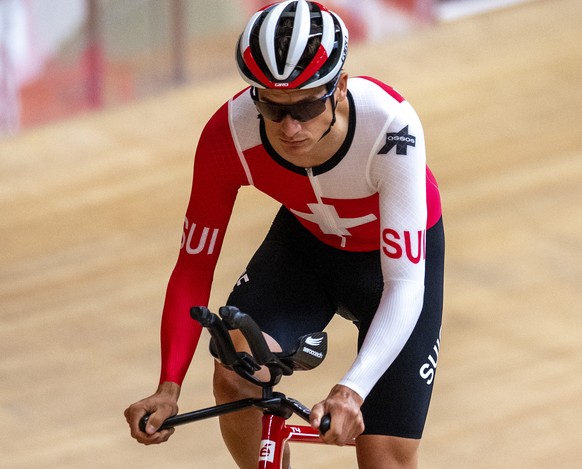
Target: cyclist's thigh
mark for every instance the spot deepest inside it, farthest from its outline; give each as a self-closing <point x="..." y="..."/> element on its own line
<point x="398" y="404"/>
<point x="279" y="289"/>
<point x="353" y="280"/>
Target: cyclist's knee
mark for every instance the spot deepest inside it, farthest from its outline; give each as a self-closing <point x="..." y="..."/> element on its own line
<point x="375" y="451"/>
<point x="228" y="386"/>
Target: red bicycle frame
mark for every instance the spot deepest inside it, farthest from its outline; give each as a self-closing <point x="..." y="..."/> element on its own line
<point x="276" y="433"/>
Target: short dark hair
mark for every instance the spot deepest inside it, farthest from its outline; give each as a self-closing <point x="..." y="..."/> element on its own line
<point x="283" y="38"/>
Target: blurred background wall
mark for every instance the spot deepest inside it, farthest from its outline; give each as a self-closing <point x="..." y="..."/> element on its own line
<point x="60" y="58"/>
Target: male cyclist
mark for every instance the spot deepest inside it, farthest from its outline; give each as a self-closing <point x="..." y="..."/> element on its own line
<point x="359" y="233"/>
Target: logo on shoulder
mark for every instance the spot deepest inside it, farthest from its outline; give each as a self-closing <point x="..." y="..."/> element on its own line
<point x="401" y="140"/>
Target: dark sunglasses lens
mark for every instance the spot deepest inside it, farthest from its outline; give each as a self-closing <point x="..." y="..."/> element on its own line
<point x="309" y="110"/>
<point x="301" y="111"/>
<point x="270" y="111"/>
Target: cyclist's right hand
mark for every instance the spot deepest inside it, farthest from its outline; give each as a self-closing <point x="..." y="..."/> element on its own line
<point x="159" y="406"/>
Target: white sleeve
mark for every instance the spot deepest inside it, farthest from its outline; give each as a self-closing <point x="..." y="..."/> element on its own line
<point x="398" y="171"/>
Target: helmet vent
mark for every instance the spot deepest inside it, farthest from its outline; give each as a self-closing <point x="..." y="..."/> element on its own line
<point x="292" y="44"/>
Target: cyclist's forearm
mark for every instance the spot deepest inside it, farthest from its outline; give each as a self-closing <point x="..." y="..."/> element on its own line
<point x="396" y="317"/>
<point x="179" y="333"/>
<point x="178" y="343"/>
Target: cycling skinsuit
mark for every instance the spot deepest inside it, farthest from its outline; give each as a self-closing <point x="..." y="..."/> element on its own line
<point x="361" y="235"/>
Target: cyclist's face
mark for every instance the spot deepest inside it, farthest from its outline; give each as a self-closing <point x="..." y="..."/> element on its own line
<point x="290" y="134"/>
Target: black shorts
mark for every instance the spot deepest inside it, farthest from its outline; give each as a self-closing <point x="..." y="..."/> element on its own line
<point x="294" y="284"/>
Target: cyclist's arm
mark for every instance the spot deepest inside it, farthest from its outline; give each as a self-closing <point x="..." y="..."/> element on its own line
<point x="401" y="182"/>
<point x="217" y="178"/>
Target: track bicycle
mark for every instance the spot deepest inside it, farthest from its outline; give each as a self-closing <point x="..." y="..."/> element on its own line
<point x="277" y="408"/>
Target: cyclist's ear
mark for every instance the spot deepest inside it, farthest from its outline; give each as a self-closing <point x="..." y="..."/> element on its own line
<point x="342" y="87"/>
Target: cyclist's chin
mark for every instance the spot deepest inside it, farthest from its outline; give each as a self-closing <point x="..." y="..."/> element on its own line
<point x="295" y="148"/>
<point x="295" y="144"/>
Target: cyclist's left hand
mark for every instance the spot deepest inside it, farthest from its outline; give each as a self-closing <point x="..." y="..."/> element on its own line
<point x="343" y="406"/>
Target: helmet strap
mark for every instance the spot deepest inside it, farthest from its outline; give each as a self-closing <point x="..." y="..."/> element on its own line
<point x="333" y="107"/>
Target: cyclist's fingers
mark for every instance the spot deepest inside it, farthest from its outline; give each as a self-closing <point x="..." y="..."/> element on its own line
<point x="132" y="415"/>
<point x="157" y="418"/>
<point x="339" y="437"/>
<point x="331" y="437"/>
<point x="152" y="435"/>
<point x="156" y="414"/>
<point x="317" y="413"/>
<point x="157" y="437"/>
<point x="345" y="426"/>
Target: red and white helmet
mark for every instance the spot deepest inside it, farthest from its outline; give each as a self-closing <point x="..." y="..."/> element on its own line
<point x="294" y="44"/>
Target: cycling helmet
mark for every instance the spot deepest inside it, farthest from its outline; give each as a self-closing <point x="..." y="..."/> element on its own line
<point x="293" y="44"/>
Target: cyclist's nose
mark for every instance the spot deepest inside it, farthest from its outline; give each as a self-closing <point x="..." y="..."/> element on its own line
<point x="290" y="126"/>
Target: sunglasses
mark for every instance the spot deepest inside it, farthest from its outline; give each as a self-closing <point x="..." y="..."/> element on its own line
<point x="302" y="111"/>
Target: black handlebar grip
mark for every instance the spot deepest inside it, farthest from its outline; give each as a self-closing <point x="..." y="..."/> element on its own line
<point x="143" y="422"/>
<point x="325" y="424"/>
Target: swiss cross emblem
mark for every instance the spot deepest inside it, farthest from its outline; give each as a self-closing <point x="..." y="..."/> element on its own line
<point x="327" y="218"/>
<point x="331" y="222"/>
<point x="401" y="140"/>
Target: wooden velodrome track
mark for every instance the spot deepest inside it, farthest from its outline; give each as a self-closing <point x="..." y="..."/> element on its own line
<point x="92" y="215"/>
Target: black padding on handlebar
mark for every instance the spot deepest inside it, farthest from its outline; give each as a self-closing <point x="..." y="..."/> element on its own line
<point x="325" y="424"/>
<point x="223" y="345"/>
<point x="252" y="332"/>
<point x="310" y="352"/>
<point x="143" y="422"/>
